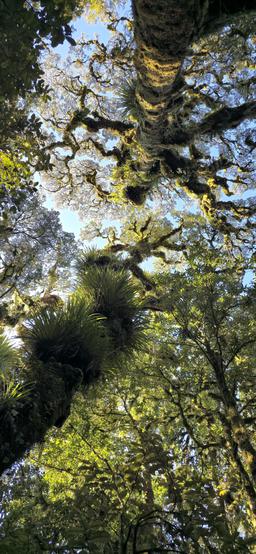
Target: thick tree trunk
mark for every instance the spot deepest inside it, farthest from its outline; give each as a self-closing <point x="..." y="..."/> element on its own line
<point x="46" y="403"/>
<point x="163" y="32"/>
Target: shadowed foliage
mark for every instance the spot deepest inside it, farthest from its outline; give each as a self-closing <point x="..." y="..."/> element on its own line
<point x="8" y="355"/>
<point x="66" y="346"/>
<point x="69" y="335"/>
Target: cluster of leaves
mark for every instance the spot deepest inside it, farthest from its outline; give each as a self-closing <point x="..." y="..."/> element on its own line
<point x="35" y="252"/>
<point x="113" y="295"/>
<point x="7" y="354"/>
<point x="102" y="318"/>
<point x="152" y="458"/>
<point x="27" y="231"/>
<point x="29" y="24"/>
<point x="66" y="345"/>
<point x="160" y="455"/>
<point x="15" y="179"/>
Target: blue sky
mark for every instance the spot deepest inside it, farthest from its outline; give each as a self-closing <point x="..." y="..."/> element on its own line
<point x="69" y="219"/>
<point x="90" y="30"/>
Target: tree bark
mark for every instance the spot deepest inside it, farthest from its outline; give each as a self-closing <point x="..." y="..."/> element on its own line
<point x="163" y="32"/>
<point x="46" y="402"/>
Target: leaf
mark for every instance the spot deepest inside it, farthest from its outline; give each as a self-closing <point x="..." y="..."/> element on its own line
<point x="71" y="40"/>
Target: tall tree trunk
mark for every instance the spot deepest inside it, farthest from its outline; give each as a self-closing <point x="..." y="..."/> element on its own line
<point x="25" y="421"/>
<point x="163" y="32"/>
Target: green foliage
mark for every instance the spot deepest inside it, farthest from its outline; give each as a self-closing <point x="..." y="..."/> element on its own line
<point x="93" y="257"/>
<point x="105" y="308"/>
<point x="112" y="294"/>
<point x="35" y="251"/>
<point x="69" y="335"/>
<point x="153" y="455"/>
<point x="8" y="355"/>
<point x="159" y="456"/>
<point x="29" y="24"/>
<point x="15" y="184"/>
<point x="11" y="392"/>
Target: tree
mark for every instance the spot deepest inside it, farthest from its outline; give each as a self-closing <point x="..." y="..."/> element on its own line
<point x="66" y="347"/>
<point x="175" y="135"/>
<point x="163" y="34"/>
<point x="30" y="24"/>
<point x="35" y="251"/>
<point x="27" y="231"/>
<point x="164" y="440"/>
<point x="159" y="454"/>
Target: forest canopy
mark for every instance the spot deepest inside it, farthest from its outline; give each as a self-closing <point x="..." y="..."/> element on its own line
<point x="127" y="349"/>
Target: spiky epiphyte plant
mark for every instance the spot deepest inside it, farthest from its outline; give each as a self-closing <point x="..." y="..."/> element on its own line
<point x="69" y="335"/>
<point x="12" y="392"/>
<point x="93" y="257"/>
<point x="8" y="355"/>
<point x="113" y="295"/>
<point x="127" y="101"/>
<point x="66" y="346"/>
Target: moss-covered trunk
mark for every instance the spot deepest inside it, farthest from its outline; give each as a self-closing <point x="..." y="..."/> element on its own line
<point x="164" y="30"/>
<point x="25" y="421"/>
